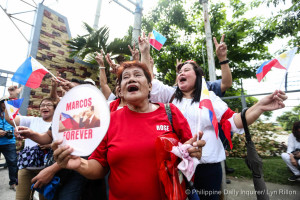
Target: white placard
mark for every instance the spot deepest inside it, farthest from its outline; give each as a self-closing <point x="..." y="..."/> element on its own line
<point x="81" y="119"/>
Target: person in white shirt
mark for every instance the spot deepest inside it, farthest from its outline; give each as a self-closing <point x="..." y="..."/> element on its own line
<point x="292" y="156"/>
<point x="208" y="174"/>
<point x="29" y="168"/>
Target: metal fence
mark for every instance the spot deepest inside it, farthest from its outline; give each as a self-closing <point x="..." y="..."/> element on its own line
<point x="5" y="81"/>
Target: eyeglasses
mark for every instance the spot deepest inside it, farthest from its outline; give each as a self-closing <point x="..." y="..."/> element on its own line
<point x="46" y="105"/>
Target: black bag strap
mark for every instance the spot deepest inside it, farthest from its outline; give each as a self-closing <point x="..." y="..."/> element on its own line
<point x="244" y="121"/>
<point x="169" y="113"/>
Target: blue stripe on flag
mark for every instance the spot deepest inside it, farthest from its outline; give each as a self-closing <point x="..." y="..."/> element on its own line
<point x="159" y="37"/>
<point x="23" y="72"/>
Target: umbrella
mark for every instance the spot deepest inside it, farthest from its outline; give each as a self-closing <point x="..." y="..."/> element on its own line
<point x="254" y="163"/>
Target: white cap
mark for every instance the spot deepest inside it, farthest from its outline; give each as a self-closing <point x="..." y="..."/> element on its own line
<point x="88" y="80"/>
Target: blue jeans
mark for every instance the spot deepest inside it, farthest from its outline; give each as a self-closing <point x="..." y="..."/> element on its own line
<point x="10" y="154"/>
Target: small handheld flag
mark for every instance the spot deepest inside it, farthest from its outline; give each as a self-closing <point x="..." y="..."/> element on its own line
<point x="283" y="61"/>
<point x="30" y="73"/>
<point x="157" y="40"/>
<point x="68" y="121"/>
<point x="205" y="102"/>
<point x="13" y="107"/>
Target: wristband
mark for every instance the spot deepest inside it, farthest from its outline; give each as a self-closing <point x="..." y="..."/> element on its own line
<point x="224" y="62"/>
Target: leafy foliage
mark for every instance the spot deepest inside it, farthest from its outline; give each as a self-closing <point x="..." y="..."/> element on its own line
<point x="262" y="136"/>
<point x="287" y="119"/>
<point x="84" y="47"/>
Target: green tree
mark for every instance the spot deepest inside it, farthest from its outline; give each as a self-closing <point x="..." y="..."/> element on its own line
<point x="247" y="37"/>
<point x="84" y="47"/>
<point x="287" y="119"/>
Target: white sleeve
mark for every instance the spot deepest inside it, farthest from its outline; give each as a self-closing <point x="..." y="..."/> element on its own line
<point x="234" y="129"/>
<point x="160" y="92"/>
<point x="111" y="97"/>
<point x="25" y="120"/>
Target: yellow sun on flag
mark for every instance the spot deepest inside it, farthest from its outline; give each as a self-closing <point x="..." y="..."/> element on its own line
<point x="283" y="56"/>
<point x="205" y="91"/>
<point x="11" y="110"/>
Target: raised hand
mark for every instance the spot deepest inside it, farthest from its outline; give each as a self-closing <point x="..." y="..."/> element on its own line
<point x="65" y="84"/>
<point x="221" y="48"/>
<point x="144" y="44"/>
<point x="135" y="53"/>
<point x="99" y="58"/>
<point x="273" y="101"/>
<point x="14" y="91"/>
<point x="113" y="66"/>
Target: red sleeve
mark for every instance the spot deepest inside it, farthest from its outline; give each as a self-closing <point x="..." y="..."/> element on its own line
<point x="100" y="153"/>
<point x="180" y="124"/>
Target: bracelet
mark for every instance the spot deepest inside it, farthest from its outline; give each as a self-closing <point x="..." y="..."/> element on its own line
<point x="224" y="62"/>
<point x="101" y="67"/>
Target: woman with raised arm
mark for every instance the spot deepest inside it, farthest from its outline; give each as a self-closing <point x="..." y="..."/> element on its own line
<point x="208" y="176"/>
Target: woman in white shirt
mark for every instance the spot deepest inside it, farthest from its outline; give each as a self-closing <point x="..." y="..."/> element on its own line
<point x="208" y="174"/>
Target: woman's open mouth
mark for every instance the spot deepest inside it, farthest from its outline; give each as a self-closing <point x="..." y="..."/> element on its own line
<point x="182" y="79"/>
<point x="132" y="88"/>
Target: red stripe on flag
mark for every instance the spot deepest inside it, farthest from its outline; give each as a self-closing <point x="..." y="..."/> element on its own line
<point x="155" y="44"/>
<point x="273" y="63"/>
<point x="207" y="104"/>
<point x="35" y="79"/>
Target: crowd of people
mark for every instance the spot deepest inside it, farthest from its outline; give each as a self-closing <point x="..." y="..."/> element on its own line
<point x="127" y="154"/>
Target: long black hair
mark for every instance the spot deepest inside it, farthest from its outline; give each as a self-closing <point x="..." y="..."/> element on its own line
<point x="198" y="84"/>
<point x="295" y="131"/>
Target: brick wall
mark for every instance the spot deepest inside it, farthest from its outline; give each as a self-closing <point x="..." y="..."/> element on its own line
<point x="53" y="53"/>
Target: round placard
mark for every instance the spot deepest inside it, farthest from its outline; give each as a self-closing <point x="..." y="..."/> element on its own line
<point x="81" y="119"/>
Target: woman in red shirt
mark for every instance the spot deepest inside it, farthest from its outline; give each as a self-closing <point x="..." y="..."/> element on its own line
<point x="128" y="149"/>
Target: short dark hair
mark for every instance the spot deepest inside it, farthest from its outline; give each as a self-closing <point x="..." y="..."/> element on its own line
<point x="198" y="84"/>
<point x="49" y="99"/>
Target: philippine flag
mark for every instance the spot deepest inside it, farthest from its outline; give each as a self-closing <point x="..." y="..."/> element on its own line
<point x="13" y="107"/>
<point x="283" y="61"/>
<point x="157" y="40"/>
<point x="205" y="102"/>
<point x="30" y="73"/>
<point x="68" y="121"/>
